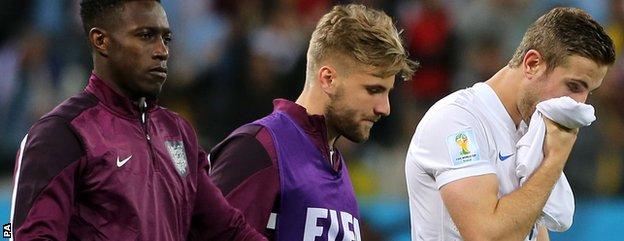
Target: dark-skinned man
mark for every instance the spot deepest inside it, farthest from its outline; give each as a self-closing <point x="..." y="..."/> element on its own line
<point x="109" y="163"/>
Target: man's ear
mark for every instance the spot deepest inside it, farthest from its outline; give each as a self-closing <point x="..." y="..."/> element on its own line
<point x="326" y="78"/>
<point x="100" y="41"/>
<point x="533" y="64"/>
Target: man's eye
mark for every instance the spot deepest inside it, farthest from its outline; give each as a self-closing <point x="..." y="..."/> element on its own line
<point x="373" y="90"/>
<point x="146" y="35"/>
<point x="167" y="39"/>
<point x="574" y="87"/>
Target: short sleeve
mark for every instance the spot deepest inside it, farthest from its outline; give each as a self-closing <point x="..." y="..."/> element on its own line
<point x="449" y="144"/>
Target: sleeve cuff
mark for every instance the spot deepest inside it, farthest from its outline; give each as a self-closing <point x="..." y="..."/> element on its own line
<point x="475" y="169"/>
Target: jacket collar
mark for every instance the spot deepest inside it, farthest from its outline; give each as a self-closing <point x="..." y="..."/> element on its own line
<point x="313" y="125"/>
<point x="115" y="101"/>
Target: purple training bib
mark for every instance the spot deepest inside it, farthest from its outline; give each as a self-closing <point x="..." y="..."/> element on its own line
<point x="316" y="203"/>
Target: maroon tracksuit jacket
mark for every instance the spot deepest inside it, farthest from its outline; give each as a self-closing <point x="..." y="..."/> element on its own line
<point x="101" y="167"/>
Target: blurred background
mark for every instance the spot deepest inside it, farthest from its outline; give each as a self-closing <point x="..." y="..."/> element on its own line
<point x="230" y="58"/>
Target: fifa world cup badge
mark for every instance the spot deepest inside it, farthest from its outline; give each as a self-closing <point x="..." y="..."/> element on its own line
<point x="462" y="147"/>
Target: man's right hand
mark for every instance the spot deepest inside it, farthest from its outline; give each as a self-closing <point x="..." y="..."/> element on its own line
<point x="558" y="142"/>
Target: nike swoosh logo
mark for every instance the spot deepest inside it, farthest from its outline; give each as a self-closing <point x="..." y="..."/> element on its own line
<point x="503" y="158"/>
<point x="121" y="163"/>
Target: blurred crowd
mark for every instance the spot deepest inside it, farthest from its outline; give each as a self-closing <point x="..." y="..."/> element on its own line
<point x="230" y="58"/>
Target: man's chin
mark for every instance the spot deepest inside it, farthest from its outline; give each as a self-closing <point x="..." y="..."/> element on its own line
<point x="357" y="138"/>
<point x="153" y="93"/>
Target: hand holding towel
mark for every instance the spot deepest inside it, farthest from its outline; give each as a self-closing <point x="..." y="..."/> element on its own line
<point x="559" y="209"/>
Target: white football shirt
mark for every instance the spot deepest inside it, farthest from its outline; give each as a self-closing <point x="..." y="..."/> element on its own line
<point x="468" y="133"/>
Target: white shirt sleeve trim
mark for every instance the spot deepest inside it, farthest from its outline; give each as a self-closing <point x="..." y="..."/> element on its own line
<point x="473" y="169"/>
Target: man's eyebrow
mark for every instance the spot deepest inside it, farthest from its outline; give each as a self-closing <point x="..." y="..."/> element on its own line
<point x="381" y="87"/>
<point x="154" y="29"/>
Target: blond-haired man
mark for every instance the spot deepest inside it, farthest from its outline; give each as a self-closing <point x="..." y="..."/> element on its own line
<point x="283" y="171"/>
<point x="470" y="191"/>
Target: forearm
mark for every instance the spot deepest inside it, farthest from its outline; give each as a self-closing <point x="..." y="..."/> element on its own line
<point x="255" y="198"/>
<point x="480" y="214"/>
<point x="215" y="219"/>
<point x="516" y="213"/>
<point x="49" y="215"/>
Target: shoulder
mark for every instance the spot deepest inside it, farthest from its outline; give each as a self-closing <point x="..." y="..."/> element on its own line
<point x="436" y="141"/>
<point x="50" y="145"/>
<point x="465" y="99"/>
<point x="51" y="131"/>
<point x="239" y="157"/>
<point x="72" y="107"/>
<point x="57" y="124"/>
<point x="240" y="139"/>
<point x="450" y="115"/>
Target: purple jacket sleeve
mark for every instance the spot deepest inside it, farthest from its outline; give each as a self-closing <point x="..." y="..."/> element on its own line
<point x="215" y="219"/>
<point x="244" y="169"/>
<point x="45" y="179"/>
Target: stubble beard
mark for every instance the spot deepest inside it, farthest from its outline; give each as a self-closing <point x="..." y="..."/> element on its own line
<point x="344" y="119"/>
<point x="527" y="104"/>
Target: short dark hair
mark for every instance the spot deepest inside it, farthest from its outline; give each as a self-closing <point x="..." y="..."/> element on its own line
<point x="93" y="12"/>
<point x="563" y="32"/>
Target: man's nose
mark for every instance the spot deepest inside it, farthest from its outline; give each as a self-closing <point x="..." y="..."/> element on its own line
<point x="161" y="50"/>
<point x="382" y="108"/>
<point x="580" y="97"/>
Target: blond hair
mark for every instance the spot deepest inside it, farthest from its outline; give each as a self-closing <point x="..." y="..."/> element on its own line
<point x="365" y="35"/>
<point x="563" y="32"/>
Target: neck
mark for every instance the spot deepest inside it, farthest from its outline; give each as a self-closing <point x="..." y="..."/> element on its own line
<point x="101" y="70"/>
<point x="506" y="85"/>
<point x="314" y="101"/>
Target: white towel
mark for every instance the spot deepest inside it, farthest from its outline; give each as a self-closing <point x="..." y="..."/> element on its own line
<point x="559" y="209"/>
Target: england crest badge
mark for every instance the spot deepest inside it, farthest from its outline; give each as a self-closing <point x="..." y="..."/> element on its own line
<point x="178" y="156"/>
